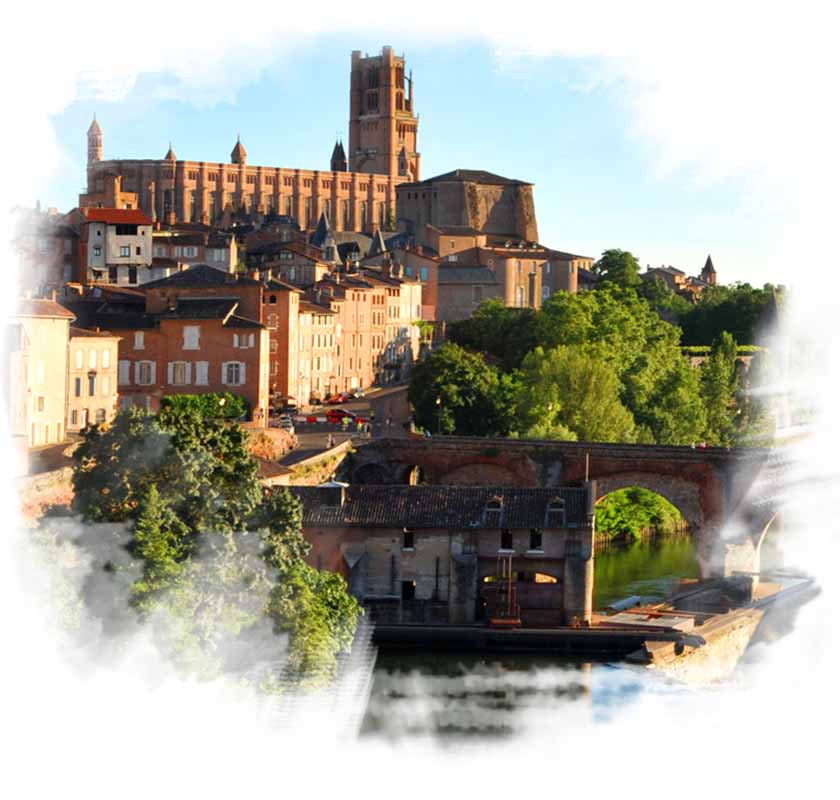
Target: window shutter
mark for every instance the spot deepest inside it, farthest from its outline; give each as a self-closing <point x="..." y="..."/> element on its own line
<point x="170" y="370"/>
<point x="241" y="373"/>
<point x="188" y="377"/>
<point x="224" y="372"/>
<point x="153" y="365"/>
<point x="236" y="340"/>
<point x="251" y="340"/>
<point x="125" y="372"/>
<point x="201" y="373"/>
<point x="137" y="372"/>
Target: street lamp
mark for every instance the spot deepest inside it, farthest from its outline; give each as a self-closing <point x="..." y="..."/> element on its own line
<point x="437" y="403"/>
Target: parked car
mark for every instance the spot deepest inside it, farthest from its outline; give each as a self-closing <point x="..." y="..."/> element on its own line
<point x="338" y="399"/>
<point x="336" y="414"/>
<point x="357" y="394"/>
<point x="285" y="423"/>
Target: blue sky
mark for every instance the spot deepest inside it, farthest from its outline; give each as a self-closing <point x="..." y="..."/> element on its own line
<point x="598" y="183"/>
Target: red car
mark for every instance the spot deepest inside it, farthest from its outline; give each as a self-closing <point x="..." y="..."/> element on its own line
<point x="336" y="414"/>
<point x="338" y="399"/>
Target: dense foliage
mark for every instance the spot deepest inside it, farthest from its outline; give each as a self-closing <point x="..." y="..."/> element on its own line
<point x="453" y="390"/>
<point x="606" y="365"/>
<point x="210" y="405"/>
<point x="213" y="565"/>
<point x="626" y="513"/>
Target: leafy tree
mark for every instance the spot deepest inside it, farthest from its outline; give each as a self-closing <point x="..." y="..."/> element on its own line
<point x="506" y="334"/>
<point x="572" y="389"/>
<point x="738" y="309"/>
<point x="719" y="379"/>
<point x="457" y="392"/>
<point x="212" y="405"/>
<point x="618" y="267"/>
<point x="212" y="564"/>
<point x="627" y="512"/>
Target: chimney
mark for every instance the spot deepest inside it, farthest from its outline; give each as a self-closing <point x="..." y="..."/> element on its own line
<point x="254" y="274"/>
<point x="53" y="295"/>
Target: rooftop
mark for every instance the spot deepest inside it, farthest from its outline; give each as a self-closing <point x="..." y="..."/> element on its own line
<point x="42" y="308"/>
<point x="200" y="275"/>
<point x="454" y="507"/>
<point x="467" y="176"/>
<point x="117" y="216"/>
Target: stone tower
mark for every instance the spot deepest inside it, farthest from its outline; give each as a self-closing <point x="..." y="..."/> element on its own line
<point x="382" y="118"/>
<point x="94" y="139"/>
<point x="338" y="160"/>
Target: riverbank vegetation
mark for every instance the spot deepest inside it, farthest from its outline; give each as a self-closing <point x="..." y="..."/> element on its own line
<point x="183" y="541"/>
<point x="604" y="365"/>
<point x="628" y="513"/>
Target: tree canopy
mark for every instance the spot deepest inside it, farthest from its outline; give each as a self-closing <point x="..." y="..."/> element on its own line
<point x="215" y="566"/>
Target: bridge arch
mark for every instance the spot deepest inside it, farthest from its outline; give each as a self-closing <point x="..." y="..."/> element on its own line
<point x="684" y="495"/>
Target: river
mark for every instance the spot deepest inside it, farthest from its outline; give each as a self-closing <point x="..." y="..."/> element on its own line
<point x="451" y="696"/>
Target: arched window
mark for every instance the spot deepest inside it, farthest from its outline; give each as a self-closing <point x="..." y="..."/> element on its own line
<point x="555" y="513"/>
<point x="493" y="513"/>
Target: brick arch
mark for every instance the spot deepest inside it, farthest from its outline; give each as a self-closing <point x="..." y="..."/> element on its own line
<point x="372" y="473"/>
<point x="685" y="495"/>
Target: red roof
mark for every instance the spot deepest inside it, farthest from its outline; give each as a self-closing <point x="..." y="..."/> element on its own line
<point x="42" y="308"/>
<point x="126" y="216"/>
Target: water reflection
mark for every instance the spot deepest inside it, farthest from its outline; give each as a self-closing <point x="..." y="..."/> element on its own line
<point x="448" y="696"/>
<point x="649" y="568"/>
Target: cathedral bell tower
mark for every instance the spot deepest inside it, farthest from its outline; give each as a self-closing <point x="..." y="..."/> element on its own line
<point x="94" y="141"/>
<point x="382" y="118"/>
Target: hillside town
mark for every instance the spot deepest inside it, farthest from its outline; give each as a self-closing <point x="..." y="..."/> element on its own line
<point x="285" y="286"/>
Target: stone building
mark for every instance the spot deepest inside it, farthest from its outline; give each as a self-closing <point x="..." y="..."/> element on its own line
<point x="438" y="553"/>
<point x="115" y="247"/>
<point x="92" y="381"/>
<point x="383" y="154"/>
<point x="41" y="363"/>
<point x="184" y="248"/>
<point x="472" y="201"/>
<point x="687" y="286"/>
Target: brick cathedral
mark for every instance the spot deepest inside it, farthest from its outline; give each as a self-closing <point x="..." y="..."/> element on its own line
<point x="358" y="194"/>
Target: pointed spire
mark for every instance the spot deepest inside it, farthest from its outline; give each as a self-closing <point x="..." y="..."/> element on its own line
<point x="709" y="267"/>
<point x="322" y="231"/>
<point x="238" y="154"/>
<point x="338" y="160"/>
<point x="94" y="127"/>
<point x="170" y="154"/>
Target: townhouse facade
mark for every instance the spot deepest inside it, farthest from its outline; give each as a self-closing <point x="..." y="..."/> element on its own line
<point x="186" y="248"/>
<point x="92" y="387"/>
<point x="115" y="247"/>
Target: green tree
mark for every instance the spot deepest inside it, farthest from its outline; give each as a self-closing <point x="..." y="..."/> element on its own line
<point x="618" y="267"/>
<point x="505" y="334"/>
<point x="215" y="556"/>
<point x="457" y="392"/>
<point x="627" y="512"/>
<point x="719" y="381"/>
<point x="738" y="309"/>
<point x="572" y="389"/>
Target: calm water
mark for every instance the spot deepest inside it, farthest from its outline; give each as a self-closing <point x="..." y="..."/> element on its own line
<point x="449" y="696"/>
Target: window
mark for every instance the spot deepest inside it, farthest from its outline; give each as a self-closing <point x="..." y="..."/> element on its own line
<point x="78" y="387"/>
<point x="138" y="340"/>
<point x="493" y="513"/>
<point x="126" y="230"/>
<point x="424" y="274"/>
<point x="520" y="296"/>
<point x="179" y="373"/>
<point x="92" y="359"/>
<point x="106" y="386"/>
<point x="555" y="515"/>
<point x="125" y="251"/>
<point x="535" y="540"/>
<point x="144" y="372"/>
<point x="80" y="359"/>
<point x="126" y="403"/>
<point x="83" y="418"/>
<point x="124" y="376"/>
<point x="273" y="345"/>
<point x="201" y="370"/>
<point x="112" y="274"/>
<point x="233" y="373"/>
<point x="106" y="359"/>
<point x="40" y="404"/>
<point x="92" y="385"/>
<point x="408" y="539"/>
<point x="272" y="300"/>
<point x="243" y="340"/>
<point x="132" y="275"/>
<point x="191" y="336"/>
<point x="74" y="417"/>
<point x="100" y="416"/>
<point x="506" y="542"/>
<point x="408" y="589"/>
<point x="137" y="250"/>
<point x="97" y="250"/>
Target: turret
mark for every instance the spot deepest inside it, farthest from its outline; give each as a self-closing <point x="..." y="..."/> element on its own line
<point x="94" y="140"/>
<point x="170" y="154"/>
<point x="238" y="154"/>
<point x="709" y="274"/>
<point x="338" y="161"/>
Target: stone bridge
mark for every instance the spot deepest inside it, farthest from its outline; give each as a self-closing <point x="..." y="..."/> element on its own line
<point x="711" y="487"/>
